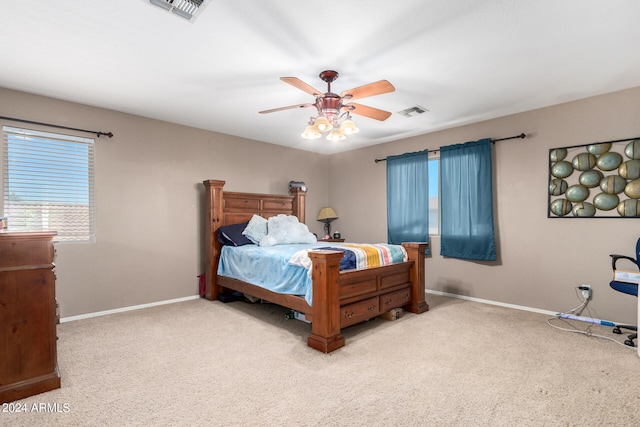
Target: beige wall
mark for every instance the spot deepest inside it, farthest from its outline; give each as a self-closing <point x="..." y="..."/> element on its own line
<point x="541" y="260"/>
<point x="149" y="200"/>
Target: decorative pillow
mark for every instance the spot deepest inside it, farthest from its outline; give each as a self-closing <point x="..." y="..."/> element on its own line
<point x="256" y="229"/>
<point x="283" y="229"/>
<point x="232" y="235"/>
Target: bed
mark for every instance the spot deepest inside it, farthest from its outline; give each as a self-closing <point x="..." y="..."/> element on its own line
<point x="340" y="299"/>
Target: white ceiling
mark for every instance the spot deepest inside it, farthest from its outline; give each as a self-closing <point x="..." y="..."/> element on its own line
<point x="465" y="61"/>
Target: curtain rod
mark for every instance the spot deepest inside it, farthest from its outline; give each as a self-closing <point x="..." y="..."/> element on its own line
<point x="493" y="141"/>
<point x="97" y="133"/>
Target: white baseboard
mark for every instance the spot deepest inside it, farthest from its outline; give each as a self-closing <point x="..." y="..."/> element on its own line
<point x="486" y="301"/>
<point x="123" y="309"/>
<point x="171" y="301"/>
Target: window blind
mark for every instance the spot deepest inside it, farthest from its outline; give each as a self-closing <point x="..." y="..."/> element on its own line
<point x="48" y="183"/>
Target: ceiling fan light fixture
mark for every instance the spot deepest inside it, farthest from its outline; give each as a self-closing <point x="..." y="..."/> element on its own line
<point x="348" y="127"/>
<point x="336" y="135"/>
<point x="311" y="132"/>
<point x="323" y="124"/>
<point x="333" y="114"/>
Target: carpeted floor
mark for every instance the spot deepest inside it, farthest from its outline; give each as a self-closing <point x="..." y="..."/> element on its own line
<point x="201" y="363"/>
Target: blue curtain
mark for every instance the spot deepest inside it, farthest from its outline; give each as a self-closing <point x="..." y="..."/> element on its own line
<point x="408" y="198"/>
<point x="466" y="201"/>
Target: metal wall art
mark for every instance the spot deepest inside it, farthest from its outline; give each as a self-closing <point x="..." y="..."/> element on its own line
<point x="599" y="180"/>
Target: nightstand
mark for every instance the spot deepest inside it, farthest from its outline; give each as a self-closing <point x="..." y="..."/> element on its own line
<point x="330" y="240"/>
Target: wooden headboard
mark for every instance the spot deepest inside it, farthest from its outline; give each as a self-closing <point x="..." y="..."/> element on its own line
<point x="225" y="208"/>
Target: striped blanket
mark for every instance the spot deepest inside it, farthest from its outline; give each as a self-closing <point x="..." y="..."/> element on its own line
<point x="357" y="256"/>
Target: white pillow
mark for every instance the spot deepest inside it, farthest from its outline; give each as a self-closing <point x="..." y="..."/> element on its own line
<point x="268" y="240"/>
<point x="256" y="229"/>
<point x="283" y="229"/>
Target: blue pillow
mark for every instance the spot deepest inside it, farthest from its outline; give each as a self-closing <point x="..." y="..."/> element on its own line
<point x="232" y="235"/>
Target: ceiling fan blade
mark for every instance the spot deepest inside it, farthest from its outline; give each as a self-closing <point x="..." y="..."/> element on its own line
<point x="371" y="89"/>
<point x="363" y="110"/>
<point x="290" y="107"/>
<point x="294" y="81"/>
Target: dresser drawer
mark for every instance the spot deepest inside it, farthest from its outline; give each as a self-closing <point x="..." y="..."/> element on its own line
<point x="19" y="250"/>
<point x="359" y="311"/>
<point x="395" y="299"/>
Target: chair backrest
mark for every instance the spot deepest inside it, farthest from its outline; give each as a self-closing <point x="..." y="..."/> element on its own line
<point x="638" y="253"/>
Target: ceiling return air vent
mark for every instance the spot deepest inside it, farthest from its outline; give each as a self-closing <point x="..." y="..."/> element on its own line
<point x="187" y="9"/>
<point x="413" y="111"/>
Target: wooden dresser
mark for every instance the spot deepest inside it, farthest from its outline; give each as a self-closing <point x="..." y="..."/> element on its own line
<point x="28" y="359"/>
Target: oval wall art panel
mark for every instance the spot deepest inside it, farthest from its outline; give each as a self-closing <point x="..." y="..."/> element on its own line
<point x="598" y="180"/>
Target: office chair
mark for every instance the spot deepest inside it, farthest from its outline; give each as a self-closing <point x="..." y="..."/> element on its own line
<point x="627" y="288"/>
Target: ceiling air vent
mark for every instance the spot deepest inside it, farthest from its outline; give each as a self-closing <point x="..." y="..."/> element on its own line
<point x="413" y="111"/>
<point x="187" y="9"/>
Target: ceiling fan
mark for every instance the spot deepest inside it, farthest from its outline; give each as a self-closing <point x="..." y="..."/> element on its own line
<point x="333" y="113"/>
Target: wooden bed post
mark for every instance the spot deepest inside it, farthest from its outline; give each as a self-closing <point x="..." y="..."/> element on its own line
<point x="415" y="253"/>
<point x="325" y="308"/>
<point x="214" y="217"/>
<point x="299" y="208"/>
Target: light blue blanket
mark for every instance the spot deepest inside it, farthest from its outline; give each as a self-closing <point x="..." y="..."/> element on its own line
<point x="268" y="267"/>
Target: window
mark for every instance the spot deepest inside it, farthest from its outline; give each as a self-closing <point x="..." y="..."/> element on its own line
<point x="48" y="182"/>
<point x="434" y="198"/>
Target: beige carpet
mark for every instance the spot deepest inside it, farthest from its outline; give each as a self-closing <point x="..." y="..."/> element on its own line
<point x="462" y="363"/>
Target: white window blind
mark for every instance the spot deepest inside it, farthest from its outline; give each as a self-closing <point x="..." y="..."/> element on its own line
<point x="48" y="183"/>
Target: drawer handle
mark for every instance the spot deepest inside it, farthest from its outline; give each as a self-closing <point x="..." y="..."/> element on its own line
<point x="371" y="308"/>
<point x="349" y="316"/>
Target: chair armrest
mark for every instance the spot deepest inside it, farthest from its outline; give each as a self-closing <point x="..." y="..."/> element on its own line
<point x="615" y="258"/>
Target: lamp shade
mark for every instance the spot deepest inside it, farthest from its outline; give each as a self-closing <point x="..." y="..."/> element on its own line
<point x="311" y="132"/>
<point x="349" y="127"/>
<point x="327" y="215"/>
<point x="336" y="135"/>
<point x="323" y="124"/>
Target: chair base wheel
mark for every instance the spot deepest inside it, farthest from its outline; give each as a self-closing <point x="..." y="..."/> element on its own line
<point x="617" y="330"/>
<point x="629" y="343"/>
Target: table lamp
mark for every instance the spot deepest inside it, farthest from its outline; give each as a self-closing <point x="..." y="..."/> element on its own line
<point x="327" y="215"/>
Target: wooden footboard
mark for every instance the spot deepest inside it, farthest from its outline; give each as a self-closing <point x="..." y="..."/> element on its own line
<point x="340" y="299"/>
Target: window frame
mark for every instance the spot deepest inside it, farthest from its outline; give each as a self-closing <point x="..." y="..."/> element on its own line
<point x="49" y="197"/>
